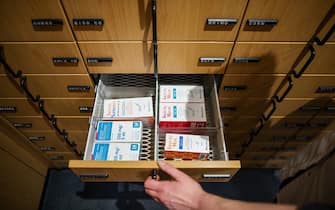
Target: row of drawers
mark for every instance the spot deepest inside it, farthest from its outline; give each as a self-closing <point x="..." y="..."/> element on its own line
<point x="176" y="20"/>
<point x="173" y="57"/>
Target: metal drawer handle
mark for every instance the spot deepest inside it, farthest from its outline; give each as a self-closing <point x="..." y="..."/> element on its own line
<point x="327" y="36"/>
<point x="36" y="138"/>
<point x="85" y="109"/>
<point x="65" y="61"/>
<point x="7" y="109"/>
<point x="22" y="125"/>
<point x="93" y="176"/>
<point x="262" y="22"/>
<point x="221" y="21"/>
<point x="211" y="60"/>
<point x="274" y="107"/>
<point x="289" y="87"/>
<point x="48" y="24"/>
<point x="325" y="89"/>
<point x="95" y="60"/>
<point x="246" y="60"/>
<point x="216" y="176"/>
<point x="78" y="88"/>
<point x="308" y="62"/>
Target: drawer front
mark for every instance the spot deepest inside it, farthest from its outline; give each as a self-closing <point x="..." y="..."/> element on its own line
<point x="80" y="138"/>
<point x="239" y="123"/>
<point x="193" y="58"/>
<point x="34" y="123"/>
<point x="321" y="86"/>
<point x="249" y="85"/>
<point x="138" y="171"/>
<point x="109" y="20"/>
<point x="17" y="107"/>
<point x="323" y="62"/>
<point x="48" y="141"/>
<point x="263" y="58"/>
<point x="50" y="23"/>
<point x="240" y="107"/>
<point x="118" y="57"/>
<point x="198" y="20"/>
<point x="32" y="58"/>
<point x="282" y="22"/>
<point x="69" y="107"/>
<point x="9" y="87"/>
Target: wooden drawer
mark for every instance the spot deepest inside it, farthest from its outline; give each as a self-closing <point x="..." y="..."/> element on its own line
<point x="187" y="19"/>
<point x="268" y="58"/>
<point x="289" y="27"/>
<point x="35" y="123"/>
<point x="48" y="141"/>
<point x="118" y="57"/>
<point x="9" y="87"/>
<point x="17" y="107"/>
<point x="239" y="123"/>
<point x="241" y="107"/>
<point x="185" y="57"/>
<point x="43" y="58"/>
<point x="323" y="62"/>
<point x="250" y="85"/>
<point x="218" y="169"/>
<point x="313" y="86"/>
<point x="121" y="19"/>
<point x="16" y="20"/>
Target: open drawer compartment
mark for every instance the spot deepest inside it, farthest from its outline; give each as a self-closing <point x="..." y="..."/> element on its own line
<point x="216" y="168"/>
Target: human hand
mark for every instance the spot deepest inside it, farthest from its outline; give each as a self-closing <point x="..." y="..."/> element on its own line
<point x="181" y="193"/>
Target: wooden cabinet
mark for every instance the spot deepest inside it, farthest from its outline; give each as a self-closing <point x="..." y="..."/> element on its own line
<point x="118" y="57"/>
<point x="43" y="58"/>
<point x="286" y="20"/>
<point x="193" y="57"/>
<point x="182" y="20"/>
<point x="268" y="58"/>
<point x="38" y="20"/>
<point x="110" y="20"/>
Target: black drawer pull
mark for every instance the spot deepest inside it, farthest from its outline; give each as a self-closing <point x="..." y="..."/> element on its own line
<point x="85" y="109"/>
<point x="325" y="89"/>
<point x="289" y="87"/>
<point x="246" y="60"/>
<point x="154" y="173"/>
<point x="65" y="61"/>
<point x="228" y="109"/>
<point x="78" y="88"/>
<point x="22" y="125"/>
<point x="47" y="24"/>
<point x="308" y="62"/>
<point x="327" y="36"/>
<point x="259" y="127"/>
<point x="88" y="22"/>
<point x="93" y="176"/>
<point x="274" y="107"/>
<point x="310" y="108"/>
<point x="95" y="60"/>
<point x="262" y="22"/>
<point x="216" y="176"/>
<point x="36" y="138"/>
<point x="47" y="149"/>
<point x="330" y="108"/>
<point x="211" y="60"/>
<point x="57" y="157"/>
<point x="7" y="109"/>
<point x="234" y="87"/>
<point x="221" y="21"/>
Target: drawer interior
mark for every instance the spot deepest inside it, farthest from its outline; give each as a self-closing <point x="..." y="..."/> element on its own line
<point x="153" y="140"/>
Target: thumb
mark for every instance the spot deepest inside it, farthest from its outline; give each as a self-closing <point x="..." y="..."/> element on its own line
<point x="172" y="171"/>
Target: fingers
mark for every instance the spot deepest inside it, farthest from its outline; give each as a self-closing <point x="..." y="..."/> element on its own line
<point x="151" y="184"/>
<point x="172" y="171"/>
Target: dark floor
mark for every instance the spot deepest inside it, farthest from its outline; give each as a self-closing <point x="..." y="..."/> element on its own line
<point x="65" y="191"/>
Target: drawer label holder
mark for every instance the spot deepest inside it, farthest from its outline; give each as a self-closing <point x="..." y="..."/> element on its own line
<point x="78" y="88"/>
<point x="7" y="109"/>
<point x="47" y="149"/>
<point x="221" y="21"/>
<point x="88" y="24"/>
<point x="234" y="87"/>
<point x="211" y="60"/>
<point x="93" y="176"/>
<point x="85" y="109"/>
<point x="36" y="138"/>
<point x="325" y="89"/>
<point x="47" y="24"/>
<point x="262" y="22"/>
<point x="65" y="61"/>
<point x="22" y="125"/>
<point x="228" y="108"/>
<point x="246" y="60"/>
<point x="97" y="61"/>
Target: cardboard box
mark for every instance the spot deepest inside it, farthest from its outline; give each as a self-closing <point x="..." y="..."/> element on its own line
<point x="182" y="115"/>
<point x="130" y="109"/>
<point x="123" y="131"/>
<point x="185" y="146"/>
<point x="115" y="151"/>
<point x="181" y="93"/>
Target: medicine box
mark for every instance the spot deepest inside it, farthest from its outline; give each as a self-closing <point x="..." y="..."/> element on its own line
<point x="116" y="151"/>
<point x="181" y="93"/>
<point x="123" y="131"/>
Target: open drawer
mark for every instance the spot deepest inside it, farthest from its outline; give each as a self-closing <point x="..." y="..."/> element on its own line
<point x="216" y="168"/>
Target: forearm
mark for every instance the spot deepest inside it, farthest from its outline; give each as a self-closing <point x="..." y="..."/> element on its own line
<point x="214" y="202"/>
